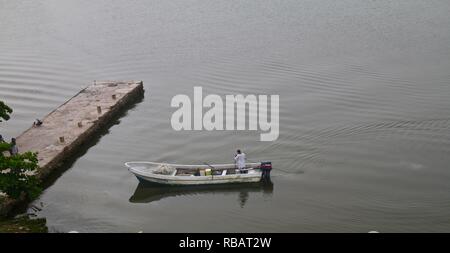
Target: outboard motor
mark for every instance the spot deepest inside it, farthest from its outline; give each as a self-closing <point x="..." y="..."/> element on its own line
<point x="265" y="167"/>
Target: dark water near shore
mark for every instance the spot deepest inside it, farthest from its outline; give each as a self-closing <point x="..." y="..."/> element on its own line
<point x="364" y="109"/>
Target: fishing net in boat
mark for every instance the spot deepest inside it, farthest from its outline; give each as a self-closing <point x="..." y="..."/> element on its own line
<point x="164" y="169"/>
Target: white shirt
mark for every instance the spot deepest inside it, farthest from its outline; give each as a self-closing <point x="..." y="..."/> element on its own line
<point x="240" y="160"/>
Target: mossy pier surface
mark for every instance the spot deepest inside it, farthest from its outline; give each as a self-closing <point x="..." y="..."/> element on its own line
<point x="23" y="225"/>
<point x="76" y="122"/>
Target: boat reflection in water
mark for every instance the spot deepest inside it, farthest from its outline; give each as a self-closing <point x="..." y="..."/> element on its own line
<point x="147" y="192"/>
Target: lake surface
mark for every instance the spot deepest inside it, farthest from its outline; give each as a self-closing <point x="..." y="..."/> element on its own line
<point x="364" y="110"/>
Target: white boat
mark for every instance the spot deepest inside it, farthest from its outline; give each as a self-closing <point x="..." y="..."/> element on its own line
<point x="178" y="174"/>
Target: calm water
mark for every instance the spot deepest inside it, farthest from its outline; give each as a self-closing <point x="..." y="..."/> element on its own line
<point x="364" y="109"/>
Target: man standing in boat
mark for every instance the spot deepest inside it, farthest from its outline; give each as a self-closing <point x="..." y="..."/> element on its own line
<point x="239" y="158"/>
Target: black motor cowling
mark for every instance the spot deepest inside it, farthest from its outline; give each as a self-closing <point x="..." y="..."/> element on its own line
<point x="265" y="167"/>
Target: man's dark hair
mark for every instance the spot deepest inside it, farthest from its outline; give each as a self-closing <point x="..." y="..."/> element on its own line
<point x="238" y="151"/>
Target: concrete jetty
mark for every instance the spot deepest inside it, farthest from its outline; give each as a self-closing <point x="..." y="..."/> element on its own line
<point x="67" y="128"/>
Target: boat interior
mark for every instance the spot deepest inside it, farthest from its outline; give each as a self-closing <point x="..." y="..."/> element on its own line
<point x="209" y="171"/>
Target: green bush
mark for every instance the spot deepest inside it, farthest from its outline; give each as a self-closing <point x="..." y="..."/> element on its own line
<point x="5" y="111"/>
<point x="17" y="173"/>
<point x="17" y="177"/>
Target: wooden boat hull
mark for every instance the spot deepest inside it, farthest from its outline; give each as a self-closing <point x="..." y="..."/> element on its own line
<point x="201" y="180"/>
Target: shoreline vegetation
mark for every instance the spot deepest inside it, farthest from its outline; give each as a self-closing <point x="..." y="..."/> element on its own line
<point x="17" y="183"/>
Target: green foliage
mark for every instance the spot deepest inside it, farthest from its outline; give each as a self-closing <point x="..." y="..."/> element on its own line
<point x="5" y="111"/>
<point x="17" y="173"/>
<point x="4" y="147"/>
